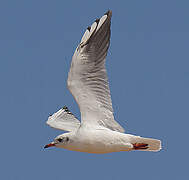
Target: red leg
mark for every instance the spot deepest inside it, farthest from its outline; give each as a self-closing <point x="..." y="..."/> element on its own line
<point x="138" y="146"/>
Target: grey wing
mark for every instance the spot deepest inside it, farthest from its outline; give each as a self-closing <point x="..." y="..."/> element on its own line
<point x="63" y="120"/>
<point x="87" y="78"/>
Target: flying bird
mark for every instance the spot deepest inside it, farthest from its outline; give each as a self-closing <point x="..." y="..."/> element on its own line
<point x="98" y="132"/>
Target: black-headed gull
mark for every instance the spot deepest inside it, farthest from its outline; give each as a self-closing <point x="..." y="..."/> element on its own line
<point x="97" y="132"/>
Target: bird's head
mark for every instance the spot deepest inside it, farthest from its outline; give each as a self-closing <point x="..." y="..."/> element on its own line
<point x="60" y="140"/>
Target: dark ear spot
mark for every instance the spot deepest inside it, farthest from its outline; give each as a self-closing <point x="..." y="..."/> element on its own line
<point x="59" y="139"/>
<point x="67" y="139"/>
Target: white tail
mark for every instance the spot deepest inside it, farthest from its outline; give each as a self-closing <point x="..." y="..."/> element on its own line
<point x="152" y="144"/>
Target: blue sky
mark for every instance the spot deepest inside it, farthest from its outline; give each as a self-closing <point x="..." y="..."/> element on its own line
<point x="148" y="68"/>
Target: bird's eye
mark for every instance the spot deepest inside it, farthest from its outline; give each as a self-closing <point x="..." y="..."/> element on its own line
<point x="59" y="139"/>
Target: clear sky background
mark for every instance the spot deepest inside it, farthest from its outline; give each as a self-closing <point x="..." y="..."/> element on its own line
<point x="148" y="68"/>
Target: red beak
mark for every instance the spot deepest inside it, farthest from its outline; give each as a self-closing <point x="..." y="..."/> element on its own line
<point x="49" y="145"/>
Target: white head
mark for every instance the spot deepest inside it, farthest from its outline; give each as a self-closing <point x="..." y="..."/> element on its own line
<point x="61" y="140"/>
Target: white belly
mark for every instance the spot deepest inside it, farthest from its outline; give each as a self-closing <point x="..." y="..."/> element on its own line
<point x="100" y="141"/>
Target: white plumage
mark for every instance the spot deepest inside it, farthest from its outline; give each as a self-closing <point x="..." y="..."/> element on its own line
<point x="98" y="132"/>
<point x="63" y="120"/>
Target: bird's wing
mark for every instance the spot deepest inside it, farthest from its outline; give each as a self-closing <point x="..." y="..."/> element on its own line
<point x="87" y="78"/>
<point x="63" y="120"/>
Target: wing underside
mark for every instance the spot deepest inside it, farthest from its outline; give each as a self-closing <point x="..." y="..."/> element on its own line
<point x="87" y="79"/>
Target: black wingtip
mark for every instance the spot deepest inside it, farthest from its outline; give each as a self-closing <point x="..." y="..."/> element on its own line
<point x="97" y="21"/>
<point x="108" y="13"/>
<point x="89" y="28"/>
<point x="65" y="108"/>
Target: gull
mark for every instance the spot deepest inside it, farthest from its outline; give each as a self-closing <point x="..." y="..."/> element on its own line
<point x="98" y="132"/>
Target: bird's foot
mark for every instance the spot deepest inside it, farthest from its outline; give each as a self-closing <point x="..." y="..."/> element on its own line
<point x="138" y="146"/>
